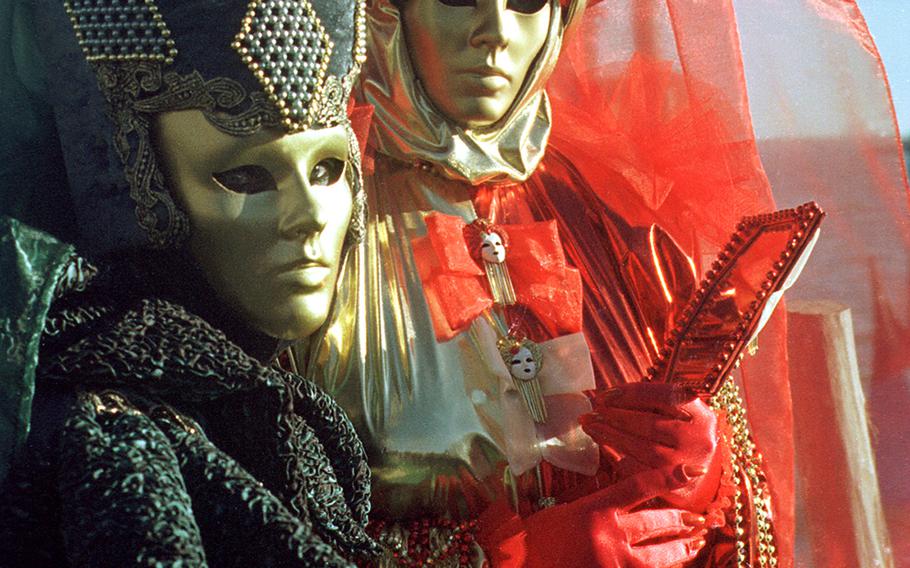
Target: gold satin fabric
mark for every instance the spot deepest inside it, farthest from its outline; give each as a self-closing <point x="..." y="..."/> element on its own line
<point x="413" y="399"/>
<point x="427" y="411"/>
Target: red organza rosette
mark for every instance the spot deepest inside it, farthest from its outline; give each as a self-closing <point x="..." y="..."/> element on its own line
<point x="456" y="288"/>
<point x="672" y="158"/>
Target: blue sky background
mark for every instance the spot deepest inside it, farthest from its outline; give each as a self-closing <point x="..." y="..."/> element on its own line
<point x="889" y="21"/>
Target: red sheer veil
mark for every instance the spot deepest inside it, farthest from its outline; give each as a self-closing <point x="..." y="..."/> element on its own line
<point x="693" y="114"/>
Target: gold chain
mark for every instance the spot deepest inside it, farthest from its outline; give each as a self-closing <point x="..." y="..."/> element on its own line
<point x="749" y="478"/>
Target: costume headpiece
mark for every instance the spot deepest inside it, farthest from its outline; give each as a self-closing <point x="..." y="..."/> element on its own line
<point x="247" y="65"/>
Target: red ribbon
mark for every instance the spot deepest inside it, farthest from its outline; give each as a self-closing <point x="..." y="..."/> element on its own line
<point x="455" y="284"/>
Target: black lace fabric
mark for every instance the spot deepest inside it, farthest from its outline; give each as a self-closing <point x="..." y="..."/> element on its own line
<point x="158" y="441"/>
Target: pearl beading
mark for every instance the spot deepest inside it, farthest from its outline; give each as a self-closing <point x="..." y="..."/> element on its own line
<point x="121" y="30"/>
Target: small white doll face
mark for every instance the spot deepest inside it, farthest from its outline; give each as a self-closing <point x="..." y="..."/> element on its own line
<point x="492" y="250"/>
<point x="523" y="366"/>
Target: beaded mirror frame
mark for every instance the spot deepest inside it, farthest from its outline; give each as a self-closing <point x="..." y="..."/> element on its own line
<point x="760" y="261"/>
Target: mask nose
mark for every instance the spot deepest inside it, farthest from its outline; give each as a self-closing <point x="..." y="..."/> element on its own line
<point x="491" y="29"/>
<point x="302" y="212"/>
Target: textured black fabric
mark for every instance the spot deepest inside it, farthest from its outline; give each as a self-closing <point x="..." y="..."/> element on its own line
<point x="157" y="440"/>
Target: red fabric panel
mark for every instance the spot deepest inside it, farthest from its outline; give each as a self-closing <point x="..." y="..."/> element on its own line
<point x="658" y="102"/>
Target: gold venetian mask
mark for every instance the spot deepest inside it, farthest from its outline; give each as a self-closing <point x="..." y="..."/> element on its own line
<point x="472" y="56"/>
<point x="268" y="214"/>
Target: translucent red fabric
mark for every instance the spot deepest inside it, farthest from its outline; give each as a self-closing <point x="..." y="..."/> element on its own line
<point x="693" y="114"/>
<point x="826" y="131"/>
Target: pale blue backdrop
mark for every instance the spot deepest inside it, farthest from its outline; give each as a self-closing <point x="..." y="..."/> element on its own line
<point x="889" y="21"/>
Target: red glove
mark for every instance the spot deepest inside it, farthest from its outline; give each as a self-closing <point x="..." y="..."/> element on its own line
<point x="600" y="529"/>
<point x="658" y="425"/>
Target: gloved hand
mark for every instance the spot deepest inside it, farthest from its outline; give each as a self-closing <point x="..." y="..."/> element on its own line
<point x="658" y="425"/>
<point x="601" y="529"/>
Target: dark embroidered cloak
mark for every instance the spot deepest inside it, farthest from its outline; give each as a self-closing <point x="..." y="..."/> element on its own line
<point x="158" y="441"/>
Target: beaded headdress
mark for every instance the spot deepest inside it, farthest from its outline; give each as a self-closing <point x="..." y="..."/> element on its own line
<point x="247" y="65"/>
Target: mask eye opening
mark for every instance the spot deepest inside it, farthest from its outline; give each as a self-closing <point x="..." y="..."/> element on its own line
<point x="327" y="172"/>
<point x="526" y="6"/>
<point x="456" y="3"/>
<point x="248" y="179"/>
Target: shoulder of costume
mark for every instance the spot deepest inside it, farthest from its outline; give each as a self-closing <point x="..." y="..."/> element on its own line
<point x="31" y="264"/>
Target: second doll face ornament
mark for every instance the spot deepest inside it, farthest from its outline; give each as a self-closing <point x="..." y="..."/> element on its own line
<point x="492" y="250"/>
<point x="472" y="56"/>
<point x="523" y="365"/>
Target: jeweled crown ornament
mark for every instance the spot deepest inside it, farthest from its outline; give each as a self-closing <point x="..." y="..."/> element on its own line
<point x="524" y="359"/>
<point x="286" y="46"/>
<point x="108" y="31"/>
